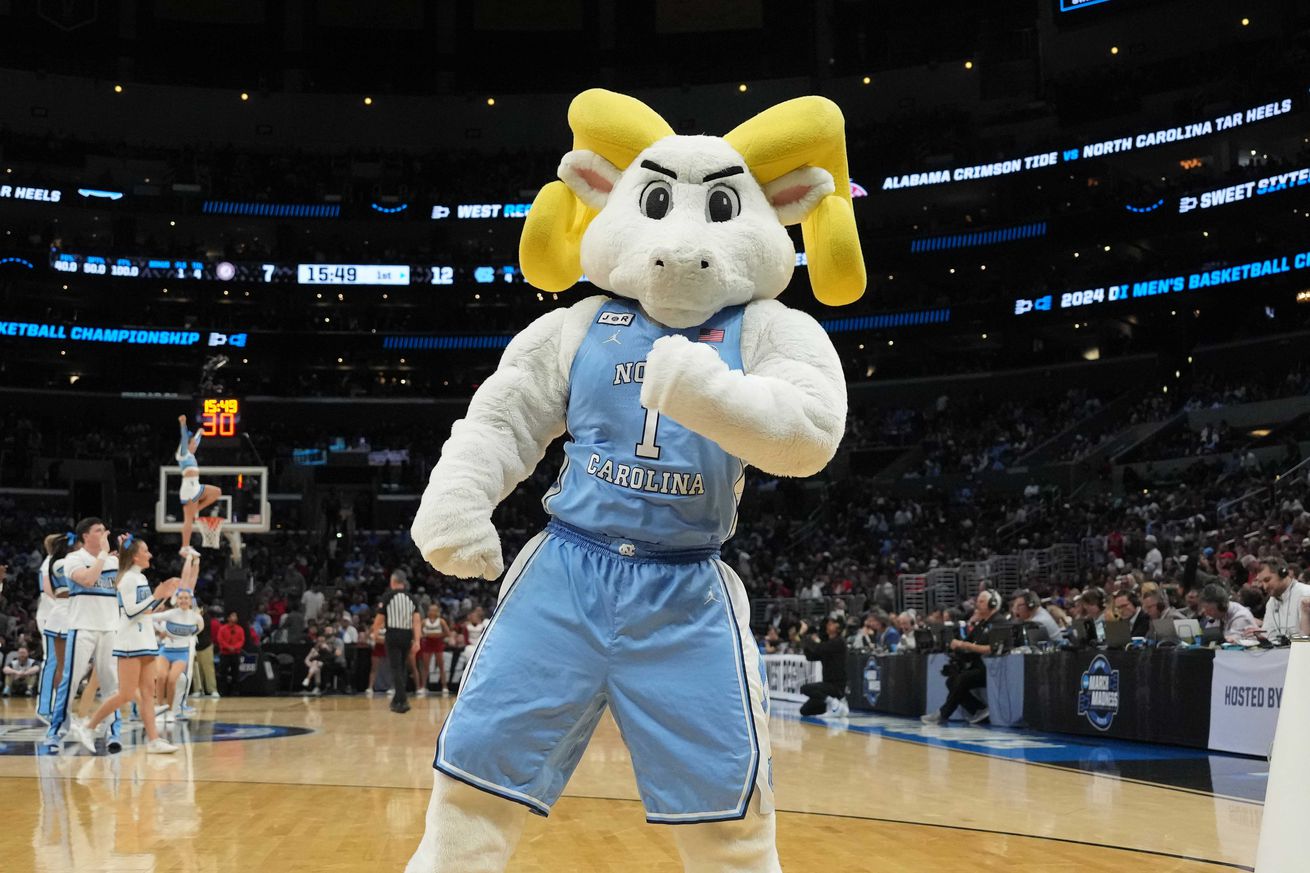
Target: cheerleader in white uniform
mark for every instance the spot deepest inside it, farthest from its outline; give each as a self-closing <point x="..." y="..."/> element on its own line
<point x="135" y="646"/>
<point x="52" y="619"/>
<point x="194" y="496"/>
<point x="177" y="629"/>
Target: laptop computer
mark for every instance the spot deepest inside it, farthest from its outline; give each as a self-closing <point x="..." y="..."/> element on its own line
<point x="1002" y="637"/>
<point x="1118" y="634"/>
<point x="1188" y="630"/>
<point x="925" y="640"/>
<point x="1083" y="635"/>
<point x="1213" y="635"/>
<point x="1164" y="631"/>
<point x="1034" y="633"/>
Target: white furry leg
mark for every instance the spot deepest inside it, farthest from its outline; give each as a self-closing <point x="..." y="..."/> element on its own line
<point x="745" y="846"/>
<point x="467" y="830"/>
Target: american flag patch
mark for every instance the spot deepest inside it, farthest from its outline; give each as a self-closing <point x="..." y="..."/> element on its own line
<point x="710" y="335"/>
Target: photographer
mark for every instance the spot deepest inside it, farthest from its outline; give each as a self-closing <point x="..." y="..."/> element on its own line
<point x="832" y="654"/>
<point x="965" y="671"/>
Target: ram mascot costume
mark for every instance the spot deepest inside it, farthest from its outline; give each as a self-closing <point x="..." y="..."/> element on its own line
<point x="684" y="373"/>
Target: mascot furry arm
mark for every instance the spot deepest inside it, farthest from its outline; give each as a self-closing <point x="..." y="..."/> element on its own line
<point x="785" y="413"/>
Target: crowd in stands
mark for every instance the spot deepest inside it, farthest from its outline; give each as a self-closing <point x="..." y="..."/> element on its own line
<point x="844" y="549"/>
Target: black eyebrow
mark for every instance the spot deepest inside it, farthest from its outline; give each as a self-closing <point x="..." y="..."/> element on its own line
<point x="723" y="174"/>
<point x="651" y="165"/>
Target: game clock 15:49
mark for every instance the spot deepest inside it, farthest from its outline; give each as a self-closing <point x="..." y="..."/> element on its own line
<point x="220" y="418"/>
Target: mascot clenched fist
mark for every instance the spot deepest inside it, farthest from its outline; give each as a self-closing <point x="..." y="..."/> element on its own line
<point x="669" y="386"/>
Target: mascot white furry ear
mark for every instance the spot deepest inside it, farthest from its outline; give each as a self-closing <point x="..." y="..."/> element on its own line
<point x="686" y="372"/>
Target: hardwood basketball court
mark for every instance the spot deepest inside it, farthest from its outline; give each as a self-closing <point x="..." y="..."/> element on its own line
<point x="350" y="795"/>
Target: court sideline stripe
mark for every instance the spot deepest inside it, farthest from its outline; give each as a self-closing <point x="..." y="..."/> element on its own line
<point x="999" y="833"/>
<point x="811" y="720"/>
<point x="839" y="815"/>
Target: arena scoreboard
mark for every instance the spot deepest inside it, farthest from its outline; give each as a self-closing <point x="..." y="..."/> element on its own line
<point x="220" y="419"/>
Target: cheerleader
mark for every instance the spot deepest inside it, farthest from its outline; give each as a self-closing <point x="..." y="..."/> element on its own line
<point x="52" y="619"/>
<point x="135" y="645"/>
<point x="435" y="631"/>
<point x="178" y="627"/>
<point x="195" y="497"/>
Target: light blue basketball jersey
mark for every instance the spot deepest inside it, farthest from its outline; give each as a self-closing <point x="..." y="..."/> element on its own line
<point x="632" y="473"/>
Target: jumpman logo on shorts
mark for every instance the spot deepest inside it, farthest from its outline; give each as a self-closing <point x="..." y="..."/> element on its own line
<point x="710" y="596"/>
<point x="614" y="338"/>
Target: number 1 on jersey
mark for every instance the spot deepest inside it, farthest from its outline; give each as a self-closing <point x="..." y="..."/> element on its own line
<point x="648" y="448"/>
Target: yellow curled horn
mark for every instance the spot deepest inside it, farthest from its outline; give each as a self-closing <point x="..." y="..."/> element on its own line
<point x="810" y="131"/>
<point x="614" y="126"/>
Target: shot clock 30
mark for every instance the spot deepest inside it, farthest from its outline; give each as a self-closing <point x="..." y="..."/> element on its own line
<point x="220" y="418"/>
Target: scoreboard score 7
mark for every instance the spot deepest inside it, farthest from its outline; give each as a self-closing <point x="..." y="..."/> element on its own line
<point x="220" y="417"/>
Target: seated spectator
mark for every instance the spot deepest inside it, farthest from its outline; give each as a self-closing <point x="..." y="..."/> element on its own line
<point x="1156" y="605"/>
<point x="906" y="624"/>
<point x="1221" y="611"/>
<point x="1253" y="599"/>
<point x="1283" y="613"/>
<point x="1091" y="604"/>
<point x="21" y="673"/>
<point x="965" y="671"/>
<point x="1129" y="608"/>
<point x="877" y="633"/>
<point x="1026" y="606"/>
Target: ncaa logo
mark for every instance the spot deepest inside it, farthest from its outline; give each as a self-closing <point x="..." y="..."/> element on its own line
<point x="872" y="681"/>
<point x="1098" y="698"/>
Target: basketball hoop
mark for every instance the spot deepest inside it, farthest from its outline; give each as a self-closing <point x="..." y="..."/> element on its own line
<point x="211" y="531"/>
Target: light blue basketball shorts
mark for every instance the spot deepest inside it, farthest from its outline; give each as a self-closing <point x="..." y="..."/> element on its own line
<point x="661" y="638"/>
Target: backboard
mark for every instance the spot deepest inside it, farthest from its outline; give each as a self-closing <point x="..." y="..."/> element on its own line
<point x="244" y="504"/>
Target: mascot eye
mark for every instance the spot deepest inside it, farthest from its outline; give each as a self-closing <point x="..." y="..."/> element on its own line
<point x="723" y="204"/>
<point x="656" y="198"/>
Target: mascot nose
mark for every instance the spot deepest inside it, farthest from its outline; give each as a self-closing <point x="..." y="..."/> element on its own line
<point x="680" y="260"/>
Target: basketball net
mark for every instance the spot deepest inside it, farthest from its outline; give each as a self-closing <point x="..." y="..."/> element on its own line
<point x="211" y="531"/>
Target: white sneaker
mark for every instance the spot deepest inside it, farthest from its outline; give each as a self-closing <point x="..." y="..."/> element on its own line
<point x="317" y="692"/>
<point x="306" y="682"/>
<point x="445" y="692"/>
<point x="368" y="692"/>
<point x="160" y="747"/>
<point x="391" y="692"/>
<point x="422" y="692"/>
<point x="980" y="716"/>
<point x="843" y="708"/>
<point x="84" y="735"/>
<point x="934" y="717"/>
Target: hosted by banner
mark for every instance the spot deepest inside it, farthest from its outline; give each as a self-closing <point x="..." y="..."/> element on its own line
<point x="787" y="673"/>
<point x="1245" y="696"/>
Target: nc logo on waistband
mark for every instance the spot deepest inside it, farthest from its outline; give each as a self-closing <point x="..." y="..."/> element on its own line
<point x="620" y="319"/>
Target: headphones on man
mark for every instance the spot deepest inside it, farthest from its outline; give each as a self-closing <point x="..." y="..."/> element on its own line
<point x="993" y="599"/>
<point x="1029" y="598"/>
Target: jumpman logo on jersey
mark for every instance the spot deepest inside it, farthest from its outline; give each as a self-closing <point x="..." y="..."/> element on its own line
<point x="614" y="338"/>
<point x="710" y="596"/>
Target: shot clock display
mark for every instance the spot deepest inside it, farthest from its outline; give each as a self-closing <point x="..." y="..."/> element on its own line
<point x="220" y="418"/>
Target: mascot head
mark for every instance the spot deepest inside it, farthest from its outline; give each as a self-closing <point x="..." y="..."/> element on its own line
<point x="686" y="225"/>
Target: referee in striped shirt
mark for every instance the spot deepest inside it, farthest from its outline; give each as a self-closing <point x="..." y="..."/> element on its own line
<point x="403" y="625"/>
